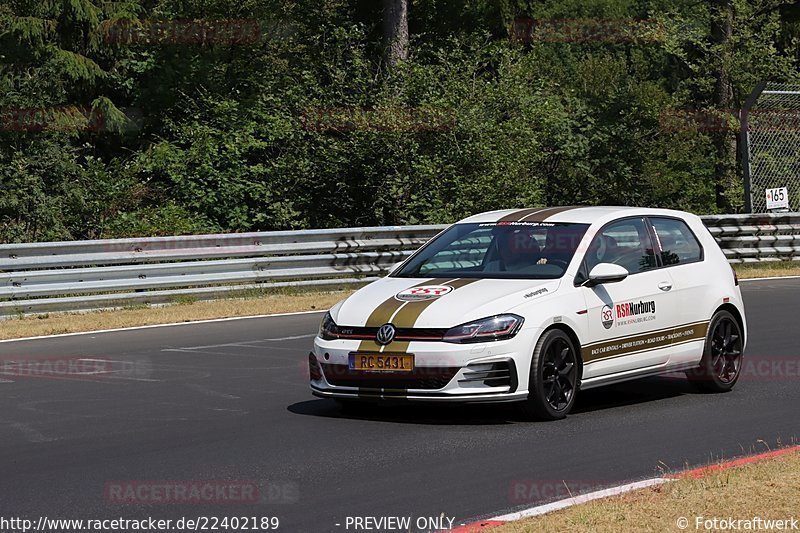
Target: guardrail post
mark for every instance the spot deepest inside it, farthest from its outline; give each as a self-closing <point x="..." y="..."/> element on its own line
<point x="744" y="143"/>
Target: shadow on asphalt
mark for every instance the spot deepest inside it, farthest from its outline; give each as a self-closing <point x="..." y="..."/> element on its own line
<point x="610" y="397"/>
<point x="632" y="393"/>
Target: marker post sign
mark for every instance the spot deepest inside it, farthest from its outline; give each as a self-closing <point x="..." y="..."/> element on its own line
<point x="778" y="198"/>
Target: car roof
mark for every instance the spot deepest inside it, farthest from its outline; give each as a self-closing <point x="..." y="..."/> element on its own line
<point x="574" y="214"/>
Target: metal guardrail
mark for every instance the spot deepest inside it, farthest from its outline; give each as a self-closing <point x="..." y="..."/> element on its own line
<point x="758" y="237"/>
<point x="84" y="275"/>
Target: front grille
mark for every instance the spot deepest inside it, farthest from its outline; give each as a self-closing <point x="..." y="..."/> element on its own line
<point x="401" y="334"/>
<point x="496" y="374"/>
<point x="429" y="378"/>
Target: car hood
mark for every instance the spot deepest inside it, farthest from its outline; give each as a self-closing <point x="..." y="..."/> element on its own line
<point x="461" y="300"/>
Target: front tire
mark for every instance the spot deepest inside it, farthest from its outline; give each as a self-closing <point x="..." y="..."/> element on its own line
<point x="722" y="356"/>
<point x="554" y="377"/>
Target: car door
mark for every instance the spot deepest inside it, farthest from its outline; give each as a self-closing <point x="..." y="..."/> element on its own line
<point x="682" y="256"/>
<point x="629" y="321"/>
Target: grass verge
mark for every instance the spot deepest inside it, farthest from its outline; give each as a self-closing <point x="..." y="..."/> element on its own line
<point x="55" y="323"/>
<point x="768" y="489"/>
<point x="767" y="270"/>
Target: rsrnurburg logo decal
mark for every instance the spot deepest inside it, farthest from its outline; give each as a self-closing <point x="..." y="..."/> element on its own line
<point x="607" y="316"/>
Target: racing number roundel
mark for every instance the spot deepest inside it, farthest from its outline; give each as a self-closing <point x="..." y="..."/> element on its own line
<point x="425" y="292"/>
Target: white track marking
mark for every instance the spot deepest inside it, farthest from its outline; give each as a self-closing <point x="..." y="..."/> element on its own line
<point x="31" y="434"/>
<point x="126" y="378"/>
<point x="293" y="337"/>
<point x="151" y="326"/>
<point x="582" y="498"/>
<point x="208" y="392"/>
<point x="612" y="491"/>
<point x="206" y="352"/>
<point x="768" y="278"/>
<point x="248" y="344"/>
<point x="203" y="347"/>
<point x="249" y="317"/>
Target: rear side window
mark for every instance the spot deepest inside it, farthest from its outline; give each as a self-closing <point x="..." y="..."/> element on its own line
<point x="626" y="243"/>
<point x="678" y="243"/>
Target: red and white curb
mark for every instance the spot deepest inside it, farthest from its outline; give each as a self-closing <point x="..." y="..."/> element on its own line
<point x="539" y="510"/>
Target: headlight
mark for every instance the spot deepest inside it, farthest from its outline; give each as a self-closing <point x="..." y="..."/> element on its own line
<point x="494" y="328"/>
<point x="328" y="330"/>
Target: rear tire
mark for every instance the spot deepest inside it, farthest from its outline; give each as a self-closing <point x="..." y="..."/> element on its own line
<point x="722" y="355"/>
<point x="554" y="377"/>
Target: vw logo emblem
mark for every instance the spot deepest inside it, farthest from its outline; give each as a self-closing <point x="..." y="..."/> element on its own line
<point x="385" y="334"/>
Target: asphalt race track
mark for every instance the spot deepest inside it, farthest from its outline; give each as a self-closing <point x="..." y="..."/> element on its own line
<point x="229" y="400"/>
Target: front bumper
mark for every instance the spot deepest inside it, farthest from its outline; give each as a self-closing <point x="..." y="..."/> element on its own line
<point x="443" y="372"/>
<point x="421" y="396"/>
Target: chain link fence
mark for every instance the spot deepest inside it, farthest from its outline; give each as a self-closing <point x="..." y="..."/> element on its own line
<point x="771" y="144"/>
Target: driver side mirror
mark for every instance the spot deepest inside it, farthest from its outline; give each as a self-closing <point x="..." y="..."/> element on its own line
<point x="605" y="273"/>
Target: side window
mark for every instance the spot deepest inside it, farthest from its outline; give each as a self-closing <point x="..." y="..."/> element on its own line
<point x="678" y="243"/>
<point x="625" y="243"/>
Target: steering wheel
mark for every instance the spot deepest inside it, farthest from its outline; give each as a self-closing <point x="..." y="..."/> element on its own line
<point x="560" y="262"/>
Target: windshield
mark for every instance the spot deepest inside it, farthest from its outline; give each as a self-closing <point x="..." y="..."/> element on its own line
<point x="517" y="250"/>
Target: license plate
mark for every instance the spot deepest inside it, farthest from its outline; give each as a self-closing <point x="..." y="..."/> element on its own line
<point x="382" y="362"/>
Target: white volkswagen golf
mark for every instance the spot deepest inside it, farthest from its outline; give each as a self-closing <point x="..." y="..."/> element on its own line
<point x="534" y="305"/>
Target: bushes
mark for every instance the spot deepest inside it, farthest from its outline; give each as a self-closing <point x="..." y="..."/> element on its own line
<point x="305" y="128"/>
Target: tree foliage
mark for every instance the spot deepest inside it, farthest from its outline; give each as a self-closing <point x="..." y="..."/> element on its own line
<point x="181" y="116"/>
